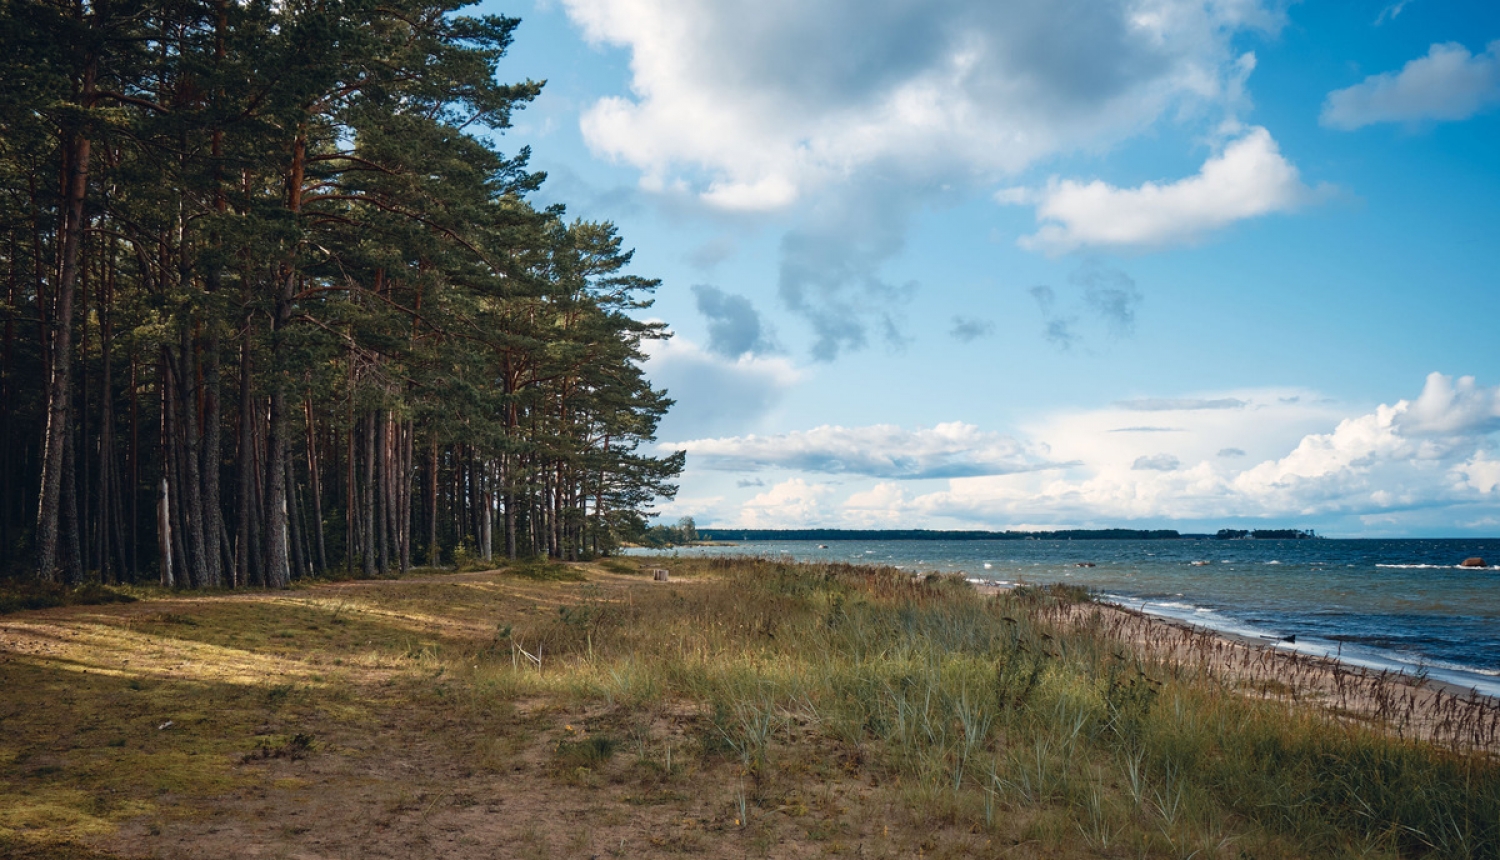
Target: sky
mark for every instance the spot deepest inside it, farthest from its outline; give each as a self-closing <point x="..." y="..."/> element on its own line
<point x="996" y="264"/>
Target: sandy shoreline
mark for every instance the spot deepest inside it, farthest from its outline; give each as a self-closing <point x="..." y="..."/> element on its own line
<point x="1446" y="714"/>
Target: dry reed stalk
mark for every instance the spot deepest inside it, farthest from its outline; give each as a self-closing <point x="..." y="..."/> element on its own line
<point x="1405" y="705"/>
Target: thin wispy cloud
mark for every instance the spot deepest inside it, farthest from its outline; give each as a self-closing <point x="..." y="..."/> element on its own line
<point x="1180" y="404"/>
<point x="1156" y="463"/>
<point x="1057" y="327"/>
<point x="951" y="450"/>
<point x="1391" y="12"/>
<point x="969" y="330"/>
<point x="1111" y="295"/>
<point x="1098" y="300"/>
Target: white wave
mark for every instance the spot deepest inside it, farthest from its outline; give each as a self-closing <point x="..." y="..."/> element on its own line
<point x="1486" y="681"/>
<point x="1435" y="567"/>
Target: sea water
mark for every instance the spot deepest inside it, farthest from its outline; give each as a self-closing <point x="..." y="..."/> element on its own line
<point x="1403" y="605"/>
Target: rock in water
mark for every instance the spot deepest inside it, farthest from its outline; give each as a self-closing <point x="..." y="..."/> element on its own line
<point x="1476" y="561"/>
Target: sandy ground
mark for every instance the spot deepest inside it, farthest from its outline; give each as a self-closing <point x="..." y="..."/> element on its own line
<point x="392" y="770"/>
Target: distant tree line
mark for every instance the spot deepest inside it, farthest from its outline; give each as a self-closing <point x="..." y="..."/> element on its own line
<point x="1265" y="534"/>
<point x="728" y="534"/>
<point x="685" y="532"/>
<point x="275" y="304"/>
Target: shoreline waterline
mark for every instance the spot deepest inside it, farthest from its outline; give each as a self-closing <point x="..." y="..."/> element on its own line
<point x="1402" y="607"/>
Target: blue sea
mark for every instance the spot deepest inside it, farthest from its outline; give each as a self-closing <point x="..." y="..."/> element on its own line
<point x="1403" y="605"/>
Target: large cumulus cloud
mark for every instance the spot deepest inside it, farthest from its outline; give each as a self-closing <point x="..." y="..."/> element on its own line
<point x="752" y="102"/>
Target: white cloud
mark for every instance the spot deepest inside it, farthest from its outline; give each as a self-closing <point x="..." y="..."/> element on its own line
<point x="1448" y="406"/>
<point x="1447" y="84"/>
<point x="1481" y="473"/>
<point x="882" y="506"/>
<point x="1431" y="459"/>
<point x="1181" y="404"/>
<point x="1247" y="179"/>
<point x="752" y="103"/>
<point x="947" y="450"/>
<point x="1386" y="460"/>
<point x="791" y="504"/>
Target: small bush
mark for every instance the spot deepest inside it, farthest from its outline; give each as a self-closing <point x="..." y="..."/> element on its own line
<point x="587" y="753"/>
<point x="18" y="597"/>
<point x="295" y="748"/>
<point x="540" y="570"/>
<point x="1056" y="594"/>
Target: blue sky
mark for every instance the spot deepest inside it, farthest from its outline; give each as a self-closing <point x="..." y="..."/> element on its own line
<point x="983" y="264"/>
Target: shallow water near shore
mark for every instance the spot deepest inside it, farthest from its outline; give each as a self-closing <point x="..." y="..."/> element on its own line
<point x="1404" y="605"/>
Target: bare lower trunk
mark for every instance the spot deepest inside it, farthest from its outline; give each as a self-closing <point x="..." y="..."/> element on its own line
<point x="407" y="477"/>
<point x="246" y="568"/>
<point x="315" y="489"/>
<point x="212" y="512"/>
<point x="164" y="534"/>
<point x="192" y="480"/>
<point x="277" y="560"/>
<point x="368" y="498"/>
<point x="433" y="557"/>
<point x="59" y="382"/>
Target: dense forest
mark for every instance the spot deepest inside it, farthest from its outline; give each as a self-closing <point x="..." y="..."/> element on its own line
<point x="275" y="303"/>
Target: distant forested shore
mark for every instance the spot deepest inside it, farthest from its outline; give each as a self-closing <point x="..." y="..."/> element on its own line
<point x="724" y="534"/>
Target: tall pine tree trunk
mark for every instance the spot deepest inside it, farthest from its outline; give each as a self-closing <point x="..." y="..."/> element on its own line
<point x="315" y="488"/>
<point x="210" y="457"/>
<point x="246" y="568"/>
<point x="59" y="381"/>
<point x="277" y="553"/>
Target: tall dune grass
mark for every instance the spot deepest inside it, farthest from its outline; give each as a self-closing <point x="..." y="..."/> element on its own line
<point x="988" y="714"/>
